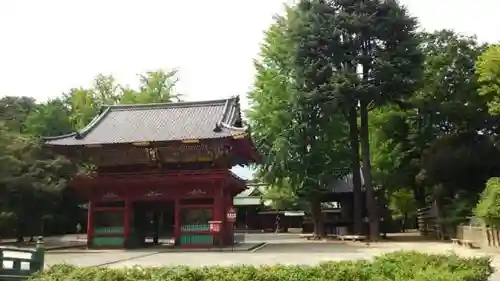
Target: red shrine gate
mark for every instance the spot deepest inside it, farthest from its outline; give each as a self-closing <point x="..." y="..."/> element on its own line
<point x="207" y="193"/>
<point x="162" y="172"/>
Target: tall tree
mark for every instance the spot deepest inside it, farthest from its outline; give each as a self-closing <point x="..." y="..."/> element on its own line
<point x="30" y="179"/>
<point x="488" y="71"/>
<point x="450" y="115"/>
<point x="304" y="145"/>
<point x="83" y="107"/>
<point x="105" y="90"/>
<point x="488" y="207"/>
<point x="402" y="205"/>
<point x="129" y="96"/>
<point x="327" y="73"/>
<point x="432" y="136"/>
<point x="84" y="103"/>
<point x="369" y="50"/>
<point x="281" y="196"/>
<point x="49" y="119"/>
<point x="14" y="110"/>
<point x="158" y="86"/>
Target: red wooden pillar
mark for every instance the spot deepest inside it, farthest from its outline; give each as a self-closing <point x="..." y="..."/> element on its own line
<point x="126" y="222"/>
<point x="219" y="213"/>
<point x="228" y="200"/>
<point x="90" y="223"/>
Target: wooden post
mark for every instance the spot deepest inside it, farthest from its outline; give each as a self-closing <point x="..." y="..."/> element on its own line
<point x="90" y="223"/>
<point x="219" y="209"/>
<point x="246" y="218"/>
<point x="40" y="253"/>
<point x="228" y="202"/>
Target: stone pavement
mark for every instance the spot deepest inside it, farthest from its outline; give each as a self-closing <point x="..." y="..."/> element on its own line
<point x="50" y="243"/>
<point x="272" y="253"/>
<point x="280" y="249"/>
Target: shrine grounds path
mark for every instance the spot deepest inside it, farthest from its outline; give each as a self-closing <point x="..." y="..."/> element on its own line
<point x="280" y="249"/>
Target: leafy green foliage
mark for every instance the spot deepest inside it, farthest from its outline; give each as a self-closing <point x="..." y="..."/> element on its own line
<point x="84" y="104"/>
<point x="439" y="141"/>
<point x="395" y="158"/>
<point x="356" y="55"/>
<point x="281" y="196"/>
<point x="465" y="161"/>
<point x="14" y="110"/>
<point x="448" y="100"/>
<point x="158" y="86"/>
<point x="410" y="266"/>
<point x="33" y="181"/>
<point x="83" y="107"/>
<point x="49" y="119"/>
<point x="458" y="211"/>
<point x="488" y="71"/>
<point x="270" y="98"/>
<point x="154" y="87"/>
<point x="304" y="142"/>
<point x="488" y="207"/>
<point x="455" y="169"/>
<point x="402" y="204"/>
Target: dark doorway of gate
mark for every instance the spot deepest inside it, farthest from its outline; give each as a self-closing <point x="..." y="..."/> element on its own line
<point x="153" y="222"/>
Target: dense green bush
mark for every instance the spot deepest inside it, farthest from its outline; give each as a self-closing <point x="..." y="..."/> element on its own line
<point x="488" y="207"/>
<point x="400" y="266"/>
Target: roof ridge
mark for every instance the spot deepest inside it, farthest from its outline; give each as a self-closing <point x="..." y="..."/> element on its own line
<point x="85" y="130"/>
<point x="90" y="126"/>
<point x="169" y="104"/>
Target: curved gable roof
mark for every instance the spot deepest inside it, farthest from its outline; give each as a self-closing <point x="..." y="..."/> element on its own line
<point x="158" y="122"/>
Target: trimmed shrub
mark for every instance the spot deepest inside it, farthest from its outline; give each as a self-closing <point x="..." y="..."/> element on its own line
<point x="488" y="207"/>
<point x="398" y="266"/>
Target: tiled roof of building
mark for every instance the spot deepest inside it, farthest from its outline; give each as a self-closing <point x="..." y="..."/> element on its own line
<point x="158" y="123"/>
<point x="252" y="196"/>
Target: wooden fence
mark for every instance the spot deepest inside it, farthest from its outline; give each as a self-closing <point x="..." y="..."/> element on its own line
<point x="479" y="236"/>
<point x="428" y="223"/>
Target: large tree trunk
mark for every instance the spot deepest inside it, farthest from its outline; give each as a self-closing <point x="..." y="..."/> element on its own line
<point x="438" y="208"/>
<point x="355" y="169"/>
<point x="371" y="203"/>
<point x="317" y="218"/>
<point x="419" y="194"/>
<point x="418" y="190"/>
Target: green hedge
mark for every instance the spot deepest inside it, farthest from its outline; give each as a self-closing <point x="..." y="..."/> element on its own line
<point x="400" y="266"/>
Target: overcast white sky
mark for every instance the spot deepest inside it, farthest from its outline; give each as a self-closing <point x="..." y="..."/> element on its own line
<point x="50" y="46"/>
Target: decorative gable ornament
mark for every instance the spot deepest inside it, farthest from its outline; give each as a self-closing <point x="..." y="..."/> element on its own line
<point x="110" y="195"/>
<point x="153" y="193"/>
<point x="197" y="192"/>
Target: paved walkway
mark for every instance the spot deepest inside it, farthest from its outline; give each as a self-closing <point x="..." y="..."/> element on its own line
<point x="273" y="253"/>
<point x="51" y="242"/>
<point x="280" y="249"/>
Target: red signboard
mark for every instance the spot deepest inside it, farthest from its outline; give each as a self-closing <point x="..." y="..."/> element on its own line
<point x="231" y="214"/>
<point x="214" y="226"/>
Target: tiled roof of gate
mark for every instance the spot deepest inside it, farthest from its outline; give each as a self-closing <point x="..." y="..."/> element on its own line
<point x="158" y="122"/>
